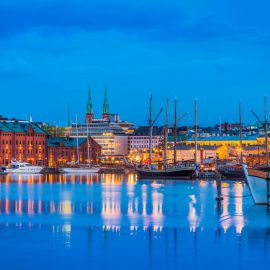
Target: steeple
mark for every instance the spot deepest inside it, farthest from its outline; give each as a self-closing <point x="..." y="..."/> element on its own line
<point x="105" y="112"/>
<point x="89" y="108"/>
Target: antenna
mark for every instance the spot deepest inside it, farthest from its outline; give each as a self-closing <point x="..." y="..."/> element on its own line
<point x="241" y="131"/>
<point x="196" y="128"/>
<point x="266" y="131"/>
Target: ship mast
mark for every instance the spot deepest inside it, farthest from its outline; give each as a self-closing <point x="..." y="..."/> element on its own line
<point x="150" y="131"/>
<point x="196" y="129"/>
<point x="241" y="132"/>
<point x="88" y="150"/>
<point x="77" y="140"/>
<point x="166" y="133"/>
<point x="151" y="125"/>
<point x="266" y="131"/>
<point x="175" y="131"/>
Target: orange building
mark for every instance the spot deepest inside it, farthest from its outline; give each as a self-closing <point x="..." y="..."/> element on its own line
<point x="64" y="150"/>
<point x="23" y="141"/>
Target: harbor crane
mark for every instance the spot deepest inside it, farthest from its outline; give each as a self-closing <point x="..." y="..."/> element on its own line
<point x="257" y="117"/>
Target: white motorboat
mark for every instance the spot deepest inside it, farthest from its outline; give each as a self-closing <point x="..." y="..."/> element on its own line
<point x="79" y="170"/>
<point x="259" y="184"/>
<point x="17" y="167"/>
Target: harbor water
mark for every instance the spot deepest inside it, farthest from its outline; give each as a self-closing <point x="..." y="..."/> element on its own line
<point x="118" y="222"/>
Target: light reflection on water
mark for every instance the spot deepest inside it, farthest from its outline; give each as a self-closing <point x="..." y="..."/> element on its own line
<point x="159" y="224"/>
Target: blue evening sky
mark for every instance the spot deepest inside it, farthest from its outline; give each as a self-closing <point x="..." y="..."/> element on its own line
<point x="217" y="51"/>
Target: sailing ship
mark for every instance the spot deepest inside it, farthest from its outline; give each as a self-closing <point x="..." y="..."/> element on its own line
<point x="181" y="170"/>
<point x="259" y="179"/>
<point x="76" y="167"/>
<point x="259" y="184"/>
<point x="235" y="170"/>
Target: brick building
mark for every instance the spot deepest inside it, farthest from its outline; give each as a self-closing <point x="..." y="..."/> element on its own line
<point x="26" y="141"/>
<point x="23" y="141"/>
<point x="64" y="150"/>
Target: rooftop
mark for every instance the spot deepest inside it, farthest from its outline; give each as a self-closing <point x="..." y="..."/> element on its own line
<point x="68" y="142"/>
<point x="191" y="147"/>
<point x="20" y="127"/>
<point x="224" y="138"/>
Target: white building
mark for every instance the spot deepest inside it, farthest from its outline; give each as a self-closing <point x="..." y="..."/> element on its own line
<point x="139" y="142"/>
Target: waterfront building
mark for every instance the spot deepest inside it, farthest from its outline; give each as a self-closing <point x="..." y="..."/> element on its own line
<point x="64" y="150"/>
<point x="224" y="141"/>
<point x="109" y="132"/>
<point x="27" y="141"/>
<point x="23" y="141"/>
<point x="228" y="146"/>
<point x="138" y="144"/>
<point x="140" y="139"/>
<point x="187" y="152"/>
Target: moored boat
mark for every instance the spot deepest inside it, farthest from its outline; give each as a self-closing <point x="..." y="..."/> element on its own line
<point x="259" y="179"/>
<point x="259" y="184"/>
<point x="3" y="170"/>
<point x="79" y="170"/>
<point x="232" y="171"/>
<point x="174" y="170"/>
<point x="17" y="167"/>
<point x="171" y="172"/>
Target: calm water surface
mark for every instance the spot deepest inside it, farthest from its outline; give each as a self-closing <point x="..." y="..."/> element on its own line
<point x="117" y="222"/>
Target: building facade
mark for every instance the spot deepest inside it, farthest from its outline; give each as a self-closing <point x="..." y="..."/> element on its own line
<point x="187" y="152"/>
<point x="141" y="143"/>
<point x="140" y="139"/>
<point x="27" y="142"/>
<point x="22" y="141"/>
<point x="70" y="150"/>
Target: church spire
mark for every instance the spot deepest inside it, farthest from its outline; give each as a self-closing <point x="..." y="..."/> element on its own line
<point x="89" y="108"/>
<point x="105" y="112"/>
<point x="106" y="103"/>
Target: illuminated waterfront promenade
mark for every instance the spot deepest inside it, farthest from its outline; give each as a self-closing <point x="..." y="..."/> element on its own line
<point x="117" y="222"/>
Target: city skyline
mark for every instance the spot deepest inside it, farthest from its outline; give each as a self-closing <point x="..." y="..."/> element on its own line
<point x="186" y="117"/>
<point x="51" y="52"/>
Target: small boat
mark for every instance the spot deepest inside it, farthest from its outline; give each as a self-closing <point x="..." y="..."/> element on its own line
<point x="259" y="183"/>
<point x="3" y="170"/>
<point x="171" y="172"/>
<point x="232" y="171"/>
<point x="79" y="170"/>
<point x="17" y="167"/>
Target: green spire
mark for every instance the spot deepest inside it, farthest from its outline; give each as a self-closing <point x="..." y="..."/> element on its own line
<point x="89" y="109"/>
<point x="106" y="103"/>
